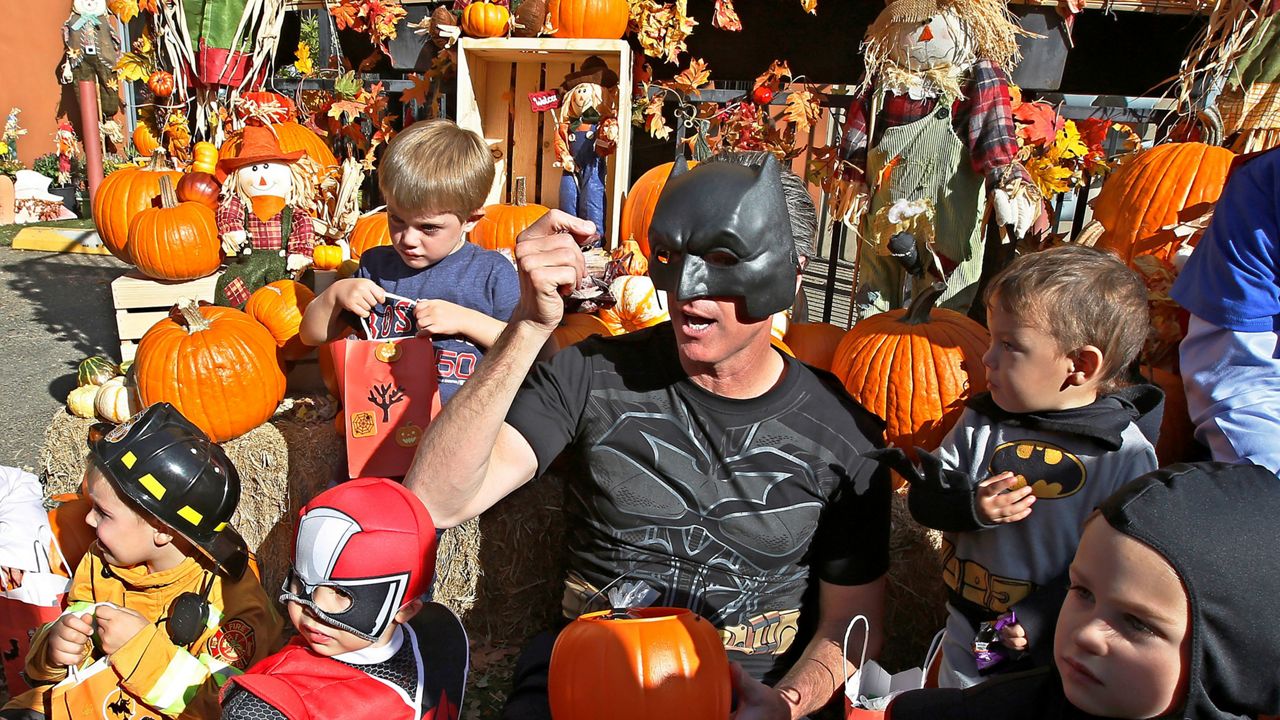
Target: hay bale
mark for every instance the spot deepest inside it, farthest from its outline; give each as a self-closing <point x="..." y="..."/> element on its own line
<point x="916" y="600"/>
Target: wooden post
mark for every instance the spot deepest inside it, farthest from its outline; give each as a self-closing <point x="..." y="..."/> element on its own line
<point x="92" y="135"/>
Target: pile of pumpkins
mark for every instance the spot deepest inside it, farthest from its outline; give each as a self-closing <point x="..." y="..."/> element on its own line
<point x="102" y="391"/>
<point x="602" y="19"/>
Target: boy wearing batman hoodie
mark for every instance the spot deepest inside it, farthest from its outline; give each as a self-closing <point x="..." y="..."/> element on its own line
<point x="1171" y="614"/>
<point x="1058" y="432"/>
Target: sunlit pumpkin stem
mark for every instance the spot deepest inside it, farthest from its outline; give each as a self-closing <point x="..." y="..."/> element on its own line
<point x="518" y="194"/>
<point x="159" y="160"/>
<point x="168" y="197"/>
<point x="918" y="313"/>
<point x="194" y="319"/>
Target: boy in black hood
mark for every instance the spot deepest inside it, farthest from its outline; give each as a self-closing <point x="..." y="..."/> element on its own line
<point x="1172" y="611"/>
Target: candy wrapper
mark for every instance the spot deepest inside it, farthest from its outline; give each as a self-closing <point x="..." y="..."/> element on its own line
<point x="987" y="649"/>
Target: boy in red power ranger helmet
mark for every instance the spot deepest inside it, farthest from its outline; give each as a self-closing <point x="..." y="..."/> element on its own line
<point x="367" y="644"/>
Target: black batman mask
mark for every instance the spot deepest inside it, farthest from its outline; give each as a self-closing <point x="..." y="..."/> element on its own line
<point x="723" y="230"/>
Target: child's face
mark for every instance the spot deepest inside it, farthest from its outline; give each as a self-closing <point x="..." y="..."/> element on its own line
<point x="326" y="640"/>
<point x="126" y="537"/>
<point x="422" y="239"/>
<point x="1122" y="639"/>
<point x="1026" y="372"/>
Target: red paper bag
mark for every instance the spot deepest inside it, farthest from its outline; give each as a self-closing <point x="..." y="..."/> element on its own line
<point x="18" y="622"/>
<point x="389" y="394"/>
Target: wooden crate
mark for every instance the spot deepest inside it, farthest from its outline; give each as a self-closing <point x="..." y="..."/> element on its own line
<point x="495" y="77"/>
<point x="141" y="302"/>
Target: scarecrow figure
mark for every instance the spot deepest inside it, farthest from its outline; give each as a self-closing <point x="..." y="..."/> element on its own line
<point x="586" y="134"/>
<point x="266" y="233"/>
<point x="932" y="128"/>
<point x="92" y="49"/>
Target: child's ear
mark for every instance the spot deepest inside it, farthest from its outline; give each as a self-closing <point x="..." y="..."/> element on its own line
<point x="1086" y="365"/>
<point x="470" y="222"/>
<point x="161" y="537"/>
<point x="407" y="612"/>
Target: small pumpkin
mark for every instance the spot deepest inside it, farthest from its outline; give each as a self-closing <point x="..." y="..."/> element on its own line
<point x="125" y="193"/>
<point x="637" y="308"/>
<point x="145" y="138"/>
<point x="199" y="187"/>
<point x="639" y="664"/>
<point x="115" y="402"/>
<point x="279" y="306"/>
<point x="161" y="83"/>
<point x="176" y="241"/>
<point x="637" y="209"/>
<point x="326" y="257"/>
<point x="914" y="368"/>
<point x="80" y="401"/>
<point x="205" y="156"/>
<point x="371" y="231"/>
<point x="216" y="365"/>
<point x="95" y="370"/>
<point x="502" y="224"/>
<point x="484" y="19"/>
<point x="814" y="343"/>
<point x="576" y="327"/>
<point x="632" y="259"/>
<point x="604" y="19"/>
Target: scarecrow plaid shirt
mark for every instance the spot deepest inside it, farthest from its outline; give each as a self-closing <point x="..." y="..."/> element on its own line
<point x="265" y="235"/>
<point x="983" y="120"/>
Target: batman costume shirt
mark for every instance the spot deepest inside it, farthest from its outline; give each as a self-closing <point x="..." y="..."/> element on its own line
<point x="727" y="507"/>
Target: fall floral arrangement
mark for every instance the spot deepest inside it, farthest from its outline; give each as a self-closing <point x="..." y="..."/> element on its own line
<point x="1064" y="155"/>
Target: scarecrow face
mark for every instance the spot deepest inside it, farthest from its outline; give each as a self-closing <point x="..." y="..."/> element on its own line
<point x="942" y="40"/>
<point x="270" y="179"/>
<point x="90" y="7"/>
<point x="583" y="97"/>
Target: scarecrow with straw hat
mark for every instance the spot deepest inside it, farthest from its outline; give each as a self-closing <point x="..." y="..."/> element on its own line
<point x="587" y="133"/>
<point x="266" y="232"/>
<point x="929" y="137"/>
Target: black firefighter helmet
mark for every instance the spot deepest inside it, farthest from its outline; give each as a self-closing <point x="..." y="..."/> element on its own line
<point x="169" y="467"/>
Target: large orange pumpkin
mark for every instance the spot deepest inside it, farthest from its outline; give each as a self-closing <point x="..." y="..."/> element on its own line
<point x="279" y="307"/>
<point x="1156" y="189"/>
<point x="637" y="209"/>
<point x="216" y="365"/>
<point x="642" y="664"/>
<point x="176" y="241"/>
<point x="914" y="368"/>
<point x="292" y="136"/>
<point x="371" y="231"/>
<point x="814" y="343"/>
<point x="604" y="19"/>
<point x="576" y="327"/>
<point x="123" y="194"/>
<point x="501" y="224"/>
<point x="637" y="308"/>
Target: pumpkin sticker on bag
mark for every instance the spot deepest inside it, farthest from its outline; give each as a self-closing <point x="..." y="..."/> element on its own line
<point x="233" y="643"/>
<point x="363" y="424"/>
<point x="387" y="352"/>
<point x="409" y="435"/>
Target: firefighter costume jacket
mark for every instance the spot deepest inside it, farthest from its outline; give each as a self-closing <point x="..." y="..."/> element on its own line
<point x="155" y="675"/>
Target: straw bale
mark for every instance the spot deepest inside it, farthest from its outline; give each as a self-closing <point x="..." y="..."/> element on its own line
<point x="916" y="600"/>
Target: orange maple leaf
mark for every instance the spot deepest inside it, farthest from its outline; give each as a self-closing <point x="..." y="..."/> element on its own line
<point x="802" y="109"/>
<point x="691" y="78"/>
<point x="810" y="6"/>
<point x="774" y="75"/>
<point x="345" y="15"/>
<point x="417" y="93"/>
<point x="726" y="17"/>
<point x="151" y="6"/>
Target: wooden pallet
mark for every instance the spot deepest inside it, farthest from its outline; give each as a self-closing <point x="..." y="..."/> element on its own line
<point x="495" y="77"/>
<point x="141" y="302"/>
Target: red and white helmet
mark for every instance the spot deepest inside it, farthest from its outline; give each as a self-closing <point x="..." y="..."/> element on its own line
<point x="374" y="542"/>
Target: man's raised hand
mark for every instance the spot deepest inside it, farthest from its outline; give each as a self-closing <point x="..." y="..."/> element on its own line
<point x="550" y="262"/>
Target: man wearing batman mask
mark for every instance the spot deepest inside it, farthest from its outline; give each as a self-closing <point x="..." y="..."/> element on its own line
<point x="721" y="474"/>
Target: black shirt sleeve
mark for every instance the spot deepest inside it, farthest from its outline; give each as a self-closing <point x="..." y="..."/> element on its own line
<point x="852" y="542"/>
<point x="550" y="402"/>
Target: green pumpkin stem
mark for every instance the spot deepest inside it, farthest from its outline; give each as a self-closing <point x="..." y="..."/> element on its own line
<point x="918" y="313"/>
<point x="168" y="196"/>
<point x="518" y="193"/>
<point x="194" y="319"/>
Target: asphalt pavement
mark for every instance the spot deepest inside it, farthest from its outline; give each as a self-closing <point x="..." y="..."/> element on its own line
<point x="55" y="310"/>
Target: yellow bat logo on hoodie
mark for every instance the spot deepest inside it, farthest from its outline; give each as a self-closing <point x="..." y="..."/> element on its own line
<point x="1051" y="471"/>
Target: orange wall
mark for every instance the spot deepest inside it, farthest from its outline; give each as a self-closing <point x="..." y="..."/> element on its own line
<point x="30" y="53"/>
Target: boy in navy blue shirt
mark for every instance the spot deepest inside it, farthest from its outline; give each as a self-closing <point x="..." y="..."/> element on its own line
<point x="435" y="177"/>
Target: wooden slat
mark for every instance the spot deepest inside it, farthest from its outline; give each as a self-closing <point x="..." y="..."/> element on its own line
<point x="524" y="136"/>
<point x="134" y="290"/>
<point x="128" y="350"/>
<point x="550" y="195"/>
<point x="133" y="324"/>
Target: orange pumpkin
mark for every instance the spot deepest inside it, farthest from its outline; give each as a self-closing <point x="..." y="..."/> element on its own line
<point x="633" y="260"/>
<point x="326" y="257"/>
<point x="604" y="19"/>
<point x="576" y="327"/>
<point x="279" y="307"/>
<point x="814" y="343"/>
<point x="123" y="194"/>
<point x="637" y="209"/>
<point x="484" y="19"/>
<point x="371" y="231"/>
<point x="176" y="241"/>
<point x="199" y="187"/>
<point x="1156" y="189"/>
<point x="205" y="156"/>
<point x="914" y="368"/>
<point x="1177" y="433"/>
<point x="292" y="136"/>
<point x="641" y="664"/>
<point x="501" y="224"/>
<point x="145" y="139"/>
<point x="637" y="307"/>
<point x="216" y="365"/>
